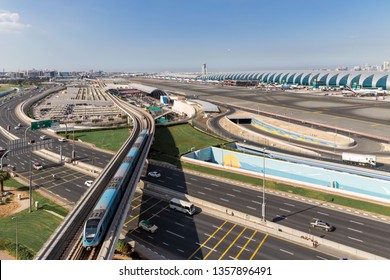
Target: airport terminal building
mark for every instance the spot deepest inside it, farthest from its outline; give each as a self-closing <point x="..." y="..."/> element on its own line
<point x="364" y="79"/>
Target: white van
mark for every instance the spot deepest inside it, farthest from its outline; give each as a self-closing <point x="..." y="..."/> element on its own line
<point x="182" y="206"/>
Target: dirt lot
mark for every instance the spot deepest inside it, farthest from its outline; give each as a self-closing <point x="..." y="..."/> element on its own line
<point x="15" y="205"/>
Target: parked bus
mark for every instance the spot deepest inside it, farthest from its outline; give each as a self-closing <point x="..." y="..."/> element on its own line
<point x="182" y="206"/>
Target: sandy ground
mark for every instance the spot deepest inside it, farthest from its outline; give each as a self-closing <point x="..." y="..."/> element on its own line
<point x="11" y="208"/>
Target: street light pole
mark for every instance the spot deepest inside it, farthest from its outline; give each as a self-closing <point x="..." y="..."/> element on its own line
<point x="73" y="152"/>
<point x="1" y="163"/>
<point x="30" y="180"/>
<point x="263" y="205"/>
<point x="16" y="237"/>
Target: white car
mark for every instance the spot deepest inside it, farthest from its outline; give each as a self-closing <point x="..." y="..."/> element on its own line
<point x="154" y="174"/>
<point x="43" y="137"/>
<point x="62" y="140"/>
<point x="88" y="183"/>
<point x="148" y="226"/>
<point x="37" y="165"/>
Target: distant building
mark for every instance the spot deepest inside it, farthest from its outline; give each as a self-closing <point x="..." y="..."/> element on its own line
<point x="364" y="79"/>
<point x="385" y="66"/>
<point x="204" y="69"/>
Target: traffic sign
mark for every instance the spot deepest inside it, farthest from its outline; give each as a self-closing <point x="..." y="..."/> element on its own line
<point x="40" y="124"/>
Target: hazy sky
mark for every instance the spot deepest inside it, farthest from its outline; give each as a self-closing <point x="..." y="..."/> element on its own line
<point x="181" y="35"/>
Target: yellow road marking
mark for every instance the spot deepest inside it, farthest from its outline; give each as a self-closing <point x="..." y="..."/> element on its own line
<point x="376" y="124"/>
<point x="135" y="207"/>
<point x="135" y="198"/>
<point x="204" y="243"/>
<point x="67" y="181"/>
<point x="151" y="217"/>
<point x="219" y="242"/>
<point x="258" y="247"/>
<point x="231" y="244"/>
<point x="246" y="244"/>
<point x="135" y="217"/>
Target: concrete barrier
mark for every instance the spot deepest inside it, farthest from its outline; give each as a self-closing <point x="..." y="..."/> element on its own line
<point x="274" y="229"/>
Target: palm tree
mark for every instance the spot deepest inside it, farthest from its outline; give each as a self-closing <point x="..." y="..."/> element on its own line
<point x="4" y="175"/>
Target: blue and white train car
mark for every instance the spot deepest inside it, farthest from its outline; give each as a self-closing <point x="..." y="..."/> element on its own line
<point x="103" y="212"/>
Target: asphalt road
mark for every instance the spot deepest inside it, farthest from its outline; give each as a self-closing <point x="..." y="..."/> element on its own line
<point x="203" y="237"/>
<point x="357" y="231"/>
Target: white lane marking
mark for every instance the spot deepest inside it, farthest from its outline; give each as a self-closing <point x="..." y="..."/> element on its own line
<point x="188" y="183"/>
<point x="251" y="208"/>
<point x="68" y="190"/>
<point x="180" y="187"/>
<point x="166" y="244"/>
<point x="321" y="258"/>
<point x="355" y="222"/>
<point x="224" y="199"/>
<point x="198" y="258"/>
<point x="289" y="204"/>
<point x="202" y="193"/>
<point x="233" y="258"/>
<point x="232" y="195"/>
<point x="204" y="246"/>
<point x="170" y="178"/>
<point x="322" y="213"/>
<point x="285" y="251"/>
<point x="176" y="223"/>
<point x="355" y="230"/>
<point x="236" y="190"/>
<point x="206" y="188"/>
<point x="256" y="202"/>
<point x="285" y="210"/>
<point x="240" y="247"/>
<point x="175" y="234"/>
<point x="176" y="174"/>
<point x="355" y="239"/>
<point x="214" y="184"/>
<point x="180" y="250"/>
<point x="193" y="179"/>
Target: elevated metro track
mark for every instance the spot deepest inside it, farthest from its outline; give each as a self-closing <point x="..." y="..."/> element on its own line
<point x="65" y="242"/>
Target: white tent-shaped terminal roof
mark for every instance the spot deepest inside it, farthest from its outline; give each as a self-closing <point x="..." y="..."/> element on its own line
<point x="150" y="90"/>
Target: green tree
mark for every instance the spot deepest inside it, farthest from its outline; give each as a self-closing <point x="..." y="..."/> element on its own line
<point x="3" y="176"/>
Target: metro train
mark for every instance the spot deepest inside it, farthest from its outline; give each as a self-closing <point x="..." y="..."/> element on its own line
<point x="100" y="219"/>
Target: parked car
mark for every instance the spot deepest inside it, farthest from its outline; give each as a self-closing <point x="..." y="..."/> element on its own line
<point x="37" y="165"/>
<point x="148" y="226"/>
<point x="322" y="225"/>
<point x="154" y="174"/>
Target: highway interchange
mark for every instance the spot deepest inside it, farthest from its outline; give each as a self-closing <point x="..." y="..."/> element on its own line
<point x="352" y="230"/>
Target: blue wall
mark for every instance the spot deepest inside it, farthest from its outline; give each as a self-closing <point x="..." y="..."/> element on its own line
<point x="293" y="171"/>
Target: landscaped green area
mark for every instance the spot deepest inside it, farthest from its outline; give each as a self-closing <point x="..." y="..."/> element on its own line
<point x="171" y="142"/>
<point x="5" y="87"/>
<point x="108" y="139"/>
<point x="34" y="228"/>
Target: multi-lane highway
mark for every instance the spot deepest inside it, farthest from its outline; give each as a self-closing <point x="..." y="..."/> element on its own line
<point x="354" y="230"/>
<point x="203" y="237"/>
